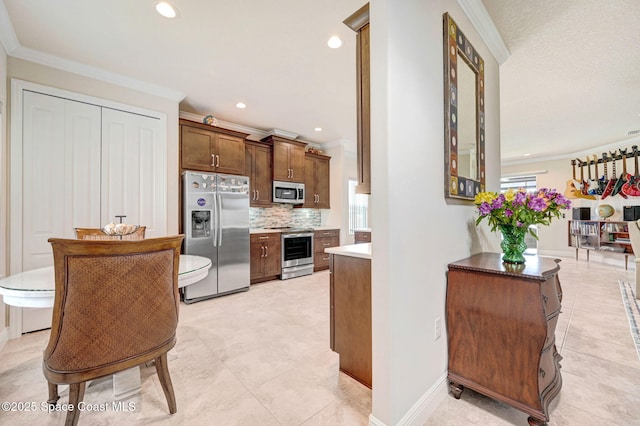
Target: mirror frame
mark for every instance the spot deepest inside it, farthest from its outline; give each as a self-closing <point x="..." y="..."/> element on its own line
<point x="457" y="45"/>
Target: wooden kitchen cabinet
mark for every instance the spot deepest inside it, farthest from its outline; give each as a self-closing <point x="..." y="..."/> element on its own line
<point x="266" y="261"/>
<point x="288" y="159"/>
<point x="361" y="237"/>
<point x="211" y="149"/>
<point x="350" y="315"/>
<point x="316" y="181"/>
<point x="258" y="168"/>
<point x="501" y="322"/>
<point x="359" y="22"/>
<point x="322" y="240"/>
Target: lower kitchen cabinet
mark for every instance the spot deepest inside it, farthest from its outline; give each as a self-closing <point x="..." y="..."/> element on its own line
<point x="266" y="262"/>
<point x="361" y="237"/>
<point x="350" y="315"/>
<point x="501" y="322"/>
<point x="322" y="240"/>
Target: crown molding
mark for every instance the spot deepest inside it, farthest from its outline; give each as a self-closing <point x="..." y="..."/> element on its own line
<point x="95" y="73"/>
<point x="479" y="17"/>
<point x="13" y="48"/>
<point x="576" y="154"/>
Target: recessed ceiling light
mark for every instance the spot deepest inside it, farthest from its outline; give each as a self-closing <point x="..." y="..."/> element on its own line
<point x="318" y="129"/>
<point x="166" y="9"/>
<point x="334" y="42"/>
<point x="241" y="105"/>
<point x="526" y="155"/>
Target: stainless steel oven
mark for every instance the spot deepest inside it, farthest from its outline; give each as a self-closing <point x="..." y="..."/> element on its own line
<point x="297" y="254"/>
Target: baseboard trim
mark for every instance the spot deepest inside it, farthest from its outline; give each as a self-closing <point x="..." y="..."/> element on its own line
<point x="423" y="408"/>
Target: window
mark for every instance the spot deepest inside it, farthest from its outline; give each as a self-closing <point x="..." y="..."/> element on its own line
<point x="358" y="208"/>
<point x="515" y="182"/>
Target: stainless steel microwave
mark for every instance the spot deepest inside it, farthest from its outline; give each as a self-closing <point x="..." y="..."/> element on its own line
<point x="288" y="192"/>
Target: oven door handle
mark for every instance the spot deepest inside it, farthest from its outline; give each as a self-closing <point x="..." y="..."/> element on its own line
<point x="297" y="235"/>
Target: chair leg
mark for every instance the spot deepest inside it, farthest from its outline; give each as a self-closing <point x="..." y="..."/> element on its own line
<point x="76" y="395"/>
<point x="53" y="394"/>
<point x="165" y="380"/>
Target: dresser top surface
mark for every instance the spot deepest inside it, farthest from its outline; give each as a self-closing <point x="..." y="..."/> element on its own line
<point x="535" y="267"/>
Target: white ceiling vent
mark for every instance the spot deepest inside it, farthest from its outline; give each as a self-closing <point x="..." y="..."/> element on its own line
<point x="633" y="132"/>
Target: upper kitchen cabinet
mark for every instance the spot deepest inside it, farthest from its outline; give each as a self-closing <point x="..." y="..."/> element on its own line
<point x="359" y="22"/>
<point x="258" y="168"/>
<point x="316" y="182"/>
<point x="211" y="149"/>
<point x="288" y="159"/>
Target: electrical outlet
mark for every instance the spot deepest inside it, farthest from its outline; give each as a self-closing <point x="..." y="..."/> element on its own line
<point x="438" y="328"/>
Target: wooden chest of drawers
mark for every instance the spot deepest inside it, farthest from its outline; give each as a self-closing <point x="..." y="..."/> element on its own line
<point x="501" y="322"/>
<point x="322" y="240"/>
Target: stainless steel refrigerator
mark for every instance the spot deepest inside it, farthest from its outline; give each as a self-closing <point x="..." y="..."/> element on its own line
<point x="216" y="225"/>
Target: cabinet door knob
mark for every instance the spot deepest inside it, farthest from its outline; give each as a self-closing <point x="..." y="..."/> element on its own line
<point x="262" y="251"/>
<point x="217" y="160"/>
<point x="257" y="194"/>
<point x="213" y="160"/>
<point x="266" y="251"/>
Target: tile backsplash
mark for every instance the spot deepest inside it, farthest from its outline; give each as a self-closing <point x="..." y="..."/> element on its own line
<point x="283" y="215"/>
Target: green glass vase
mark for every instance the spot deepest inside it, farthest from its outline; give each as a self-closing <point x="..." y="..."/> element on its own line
<point x="513" y="245"/>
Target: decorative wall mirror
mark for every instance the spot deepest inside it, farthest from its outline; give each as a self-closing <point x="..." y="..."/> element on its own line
<point x="463" y="115"/>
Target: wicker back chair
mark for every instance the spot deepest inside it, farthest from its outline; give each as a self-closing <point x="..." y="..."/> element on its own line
<point x="115" y="307"/>
<point x="98" y="234"/>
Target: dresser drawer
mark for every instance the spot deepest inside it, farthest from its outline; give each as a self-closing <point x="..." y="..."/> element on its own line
<point x="550" y="298"/>
<point x="551" y="330"/>
<point x="548" y="370"/>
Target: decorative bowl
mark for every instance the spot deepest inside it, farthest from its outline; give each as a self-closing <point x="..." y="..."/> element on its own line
<point x="119" y="229"/>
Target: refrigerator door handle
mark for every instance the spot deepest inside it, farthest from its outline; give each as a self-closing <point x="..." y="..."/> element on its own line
<point x="213" y="222"/>
<point x="219" y="219"/>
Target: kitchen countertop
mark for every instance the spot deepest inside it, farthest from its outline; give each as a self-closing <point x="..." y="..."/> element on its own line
<point x="362" y="251"/>
<point x="263" y="231"/>
<point x="267" y="230"/>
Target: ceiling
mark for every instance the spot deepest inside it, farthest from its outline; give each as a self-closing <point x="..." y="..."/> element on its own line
<point x="570" y="83"/>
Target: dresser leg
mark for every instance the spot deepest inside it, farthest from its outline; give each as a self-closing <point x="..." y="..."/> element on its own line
<point x="536" y="422"/>
<point x="455" y="389"/>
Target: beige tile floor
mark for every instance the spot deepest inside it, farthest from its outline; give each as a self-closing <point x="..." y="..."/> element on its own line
<point x="262" y="358"/>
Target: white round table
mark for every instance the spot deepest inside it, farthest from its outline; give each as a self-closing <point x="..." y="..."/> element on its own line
<point x="36" y="288"/>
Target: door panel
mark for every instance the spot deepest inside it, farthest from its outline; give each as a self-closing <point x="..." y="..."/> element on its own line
<point x="133" y="171"/>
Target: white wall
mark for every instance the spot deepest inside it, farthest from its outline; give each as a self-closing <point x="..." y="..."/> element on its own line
<point x="41" y="74"/>
<point x="417" y="232"/>
<point x="4" y="173"/>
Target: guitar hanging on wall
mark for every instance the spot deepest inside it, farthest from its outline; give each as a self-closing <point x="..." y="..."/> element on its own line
<point x="573" y="186"/>
<point x="630" y="188"/>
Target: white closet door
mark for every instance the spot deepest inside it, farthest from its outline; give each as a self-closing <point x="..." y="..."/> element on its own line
<point x="134" y="169"/>
<point x="61" y="166"/>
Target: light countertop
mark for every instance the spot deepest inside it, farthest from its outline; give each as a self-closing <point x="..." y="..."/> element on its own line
<point x="267" y="231"/>
<point x="354" y="250"/>
<point x="263" y="231"/>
